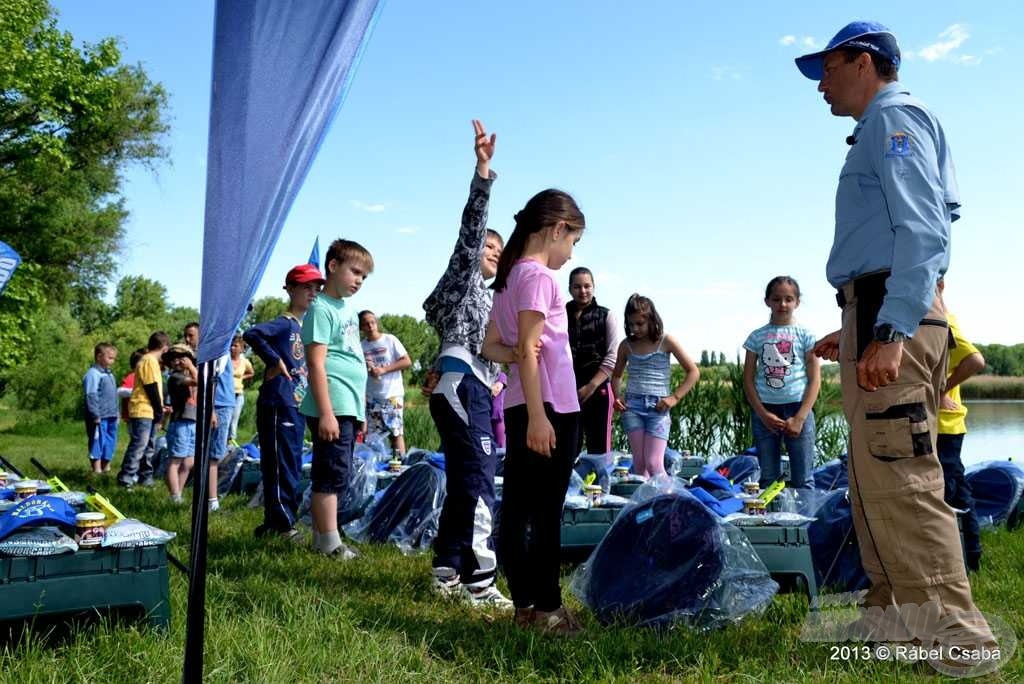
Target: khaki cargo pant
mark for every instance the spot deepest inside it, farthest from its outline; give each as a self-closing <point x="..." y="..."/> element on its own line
<point x="908" y="536"/>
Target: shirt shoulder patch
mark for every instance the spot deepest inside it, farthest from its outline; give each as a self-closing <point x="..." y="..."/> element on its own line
<point x="898" y="144"/>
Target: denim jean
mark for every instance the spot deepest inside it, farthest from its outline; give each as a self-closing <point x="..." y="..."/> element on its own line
<point x="800" y="449"/>
<point x="137" y="465"/>
<point x="236" y="413"/>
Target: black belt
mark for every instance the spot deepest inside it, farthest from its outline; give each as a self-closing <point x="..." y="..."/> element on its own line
<point x="870" y="291"/>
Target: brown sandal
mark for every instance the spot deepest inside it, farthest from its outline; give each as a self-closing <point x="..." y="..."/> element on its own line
<point x="524" y="617"/>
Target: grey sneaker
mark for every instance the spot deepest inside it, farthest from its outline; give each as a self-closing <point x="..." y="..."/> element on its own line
<point x="489" y="597"/>
<point x="342" y="553"/>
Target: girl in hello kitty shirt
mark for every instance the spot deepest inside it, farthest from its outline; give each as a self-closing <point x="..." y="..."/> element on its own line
<point x="781" y="378"/>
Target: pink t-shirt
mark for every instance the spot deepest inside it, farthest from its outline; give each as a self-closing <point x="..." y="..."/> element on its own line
<point x="533" y="287"/>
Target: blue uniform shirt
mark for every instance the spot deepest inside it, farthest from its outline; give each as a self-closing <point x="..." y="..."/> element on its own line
<point x="896" y="200"/>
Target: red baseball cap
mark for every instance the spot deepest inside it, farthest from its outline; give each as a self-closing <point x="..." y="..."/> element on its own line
<point x="305" y="273"/>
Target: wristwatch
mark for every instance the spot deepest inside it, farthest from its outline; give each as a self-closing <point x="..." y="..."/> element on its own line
<point x="885" y="334"/>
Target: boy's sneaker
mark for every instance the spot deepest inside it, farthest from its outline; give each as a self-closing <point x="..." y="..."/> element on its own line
<point x="447" y="586"/>
<point x="559" y="622"/>
<point x="488" y="597"/>
<point x="176" y="499"/>
<point x="296" y="537"/>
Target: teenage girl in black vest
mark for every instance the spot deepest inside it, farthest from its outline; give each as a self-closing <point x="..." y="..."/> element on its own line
<point x="594" y="340"/>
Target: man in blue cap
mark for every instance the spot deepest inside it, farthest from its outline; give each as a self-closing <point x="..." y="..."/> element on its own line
<point x="896" y="200"/>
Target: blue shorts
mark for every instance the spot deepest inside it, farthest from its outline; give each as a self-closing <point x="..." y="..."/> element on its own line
<point x="219" y="434"/>
<point x="181" y="438"/>
<point x="640" y="414"/>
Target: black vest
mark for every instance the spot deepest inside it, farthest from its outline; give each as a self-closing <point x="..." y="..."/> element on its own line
<point x="588" y="339"/>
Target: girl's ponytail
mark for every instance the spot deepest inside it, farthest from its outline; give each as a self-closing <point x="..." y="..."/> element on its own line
<point x="544" y="209"/>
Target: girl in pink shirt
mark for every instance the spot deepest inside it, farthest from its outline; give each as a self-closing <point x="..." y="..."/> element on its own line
<point x="529" y="331"/>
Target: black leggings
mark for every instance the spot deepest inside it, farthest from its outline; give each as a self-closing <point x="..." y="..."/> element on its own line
<point x="531" y="509"/>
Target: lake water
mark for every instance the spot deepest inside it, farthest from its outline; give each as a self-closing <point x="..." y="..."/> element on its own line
<point x="995" y="431"/>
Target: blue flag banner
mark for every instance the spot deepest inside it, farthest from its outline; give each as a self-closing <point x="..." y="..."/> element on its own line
<point x="280" y="73"/>
<point x="314" y="256"/>
<point x="9" y="260"/>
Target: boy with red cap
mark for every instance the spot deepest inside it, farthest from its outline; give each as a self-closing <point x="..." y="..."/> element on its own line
<point x="280" y="426"/>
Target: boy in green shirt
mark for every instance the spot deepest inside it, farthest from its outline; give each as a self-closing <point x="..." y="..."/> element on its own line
<point x="335" y="404"/>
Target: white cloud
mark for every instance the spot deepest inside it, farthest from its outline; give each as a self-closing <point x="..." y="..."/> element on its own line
<point x="408" y="230"/>
<point x="722" y="73"/>
<point x="373" y="208"/>
<point x="944" y="49"/>
<point x="808" y="42"/>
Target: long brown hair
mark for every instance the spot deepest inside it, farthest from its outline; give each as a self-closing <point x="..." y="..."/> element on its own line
<point x="544" y="209"/>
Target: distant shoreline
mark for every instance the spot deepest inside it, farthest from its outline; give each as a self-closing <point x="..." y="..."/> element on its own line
<point x="993" y="387"/>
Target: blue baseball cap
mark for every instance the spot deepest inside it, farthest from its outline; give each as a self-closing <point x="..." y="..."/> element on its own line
<point x="36" y="510"/>
<point x="869" y="36"/>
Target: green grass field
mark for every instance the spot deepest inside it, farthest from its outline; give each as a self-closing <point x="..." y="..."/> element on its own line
<point x="276" y="613"/>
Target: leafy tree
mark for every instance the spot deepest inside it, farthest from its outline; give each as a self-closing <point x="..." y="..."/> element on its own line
<point x="22" y="306"/>
<point x="704" y="359"/>
<point x="140" y="297"/>
<point x="71" y="119"/>
<point x="714" y="359"/>
<point x="418" y="338"/>
<point x="264" y="309"/>
<point x="49" y="383"/>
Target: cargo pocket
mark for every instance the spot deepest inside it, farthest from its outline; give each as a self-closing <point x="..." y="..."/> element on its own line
<point x="896" y="423"/>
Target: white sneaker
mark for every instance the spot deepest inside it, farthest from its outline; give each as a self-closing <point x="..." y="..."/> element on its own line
<point x="213" y="505"/>
<point x="448" y="587"/>
<point x="488" y="597"/>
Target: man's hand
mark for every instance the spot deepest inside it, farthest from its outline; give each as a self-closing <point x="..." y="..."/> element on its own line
<point x="828" y="347"/>
<point x="947" y="403"/>
<point x="585" y="392"/>
<point x="880" y="365"/>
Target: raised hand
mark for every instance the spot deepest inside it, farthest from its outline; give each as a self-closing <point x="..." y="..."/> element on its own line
<point x="484" y="148"/>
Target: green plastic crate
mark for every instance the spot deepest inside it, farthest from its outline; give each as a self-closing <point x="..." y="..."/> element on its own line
<point x="785" y="551"/>
<point x="625" y="489"/>
<point x="585" y="528"/>
<point x="86" y="580"/>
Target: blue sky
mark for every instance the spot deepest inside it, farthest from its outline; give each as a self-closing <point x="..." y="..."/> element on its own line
<point x="704" y="162"/>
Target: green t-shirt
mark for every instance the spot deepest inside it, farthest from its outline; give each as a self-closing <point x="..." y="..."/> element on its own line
<point x="334" y="323"/>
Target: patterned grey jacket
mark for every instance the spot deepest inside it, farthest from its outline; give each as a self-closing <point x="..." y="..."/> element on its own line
<point x="460" y="305"/>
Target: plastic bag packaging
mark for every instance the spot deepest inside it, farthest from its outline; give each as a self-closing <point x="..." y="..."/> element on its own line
<point x="598" y="464"/>
<point x="229" y="470"/>
<point x="834" y="548"/>
<point x="73" y="498"/>
<point x="740" y="469"/>
<point x="575" y="485"/>
<point x="131" y="532"/>
<point x="37" y="541"/>
<point x="407" y="513"/>
<point x="777" y="519"/>
<point x="831" y="475"/>
<point x="667" y="560"/>
<point x="796" y="500"/>
<point x="362" y="485"/>
<point x="997" y="487"/>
